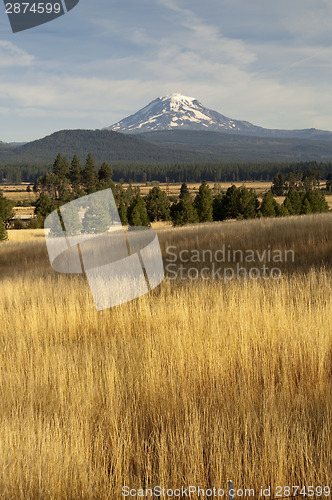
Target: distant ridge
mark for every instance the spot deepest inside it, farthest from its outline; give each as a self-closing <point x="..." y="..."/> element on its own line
<point x="175" y="129"/>
<point x="170" y="146"/>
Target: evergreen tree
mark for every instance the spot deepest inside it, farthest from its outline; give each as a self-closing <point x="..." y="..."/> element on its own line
<point x="120" y="197"/>
<point x="56" y="183"/>
<point x="72" y="223"/>
<point x="247" y="203"/>
<point x="97" y="219"/>
<point x="44" y="206"/>
<point x="183" y="212"/>
<point x="329" y="182"/>
<point x="75" y="174"/>
<point x="184" y="191"/>
<point x="105" y="174"/>
<point x="130" y="194"/>
<point x="282" y="211"/>
<point x="203" y="203"/>
<point x="229" y="208"/>
<point x="61" y="167"/>
<point x="269" y="206"/>
<point x="89" y="175"/>
<point x="137" y="214"/>
<point x="157" y="205"/>
<point x="6" y="209"/>
<point x="123" y="210"/>
<point x="3" y="231"/>
<point x="293" y="202"/>
<point x="306" y="207"/>
<point x="316" y="200"/>
<point x="278" y="184"/>
<point x="218" y="207"/>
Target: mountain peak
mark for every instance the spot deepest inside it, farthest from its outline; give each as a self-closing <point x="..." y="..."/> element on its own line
<point x="174" y="111"/>
<point x="178" y="99"/>
<point x="179" y="112"/>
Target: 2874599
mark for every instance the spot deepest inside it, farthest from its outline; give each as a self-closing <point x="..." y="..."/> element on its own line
<point x="33" y="8"/>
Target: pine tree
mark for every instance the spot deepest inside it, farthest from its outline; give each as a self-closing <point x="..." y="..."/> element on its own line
<point x="278" y="185"/>
<point x="329" y="182"/>
<point x="269" y="206"/>
<point x="228" y="208"/>
<point x="123" y="210"/>
<point x="44" y="206"/>
<point x="75" y="174"/>
<point x="3" y="231"/>
<point x="57" y="182"/>
<point x="184" y="191"/>
<point x="89" y="175"/>
<point x="306" y="207"/>
<point x="72" y="223"/>
<point x="293" y="202"/>
<point x="316" y="200"/>
<point x="157" y="205"/>
<point x="105" y="174"/>
<point x="120" y="197"/>
<point x="61" y="167"/>
<point x="183" y="212"/>
<point x="218" y="207"/>
<point x="247" y="203"/>
<point x="203" y="203"/>
<point x="97" y="219"/>
<point x="137" y="214"/>
<point x="6" y="209"/>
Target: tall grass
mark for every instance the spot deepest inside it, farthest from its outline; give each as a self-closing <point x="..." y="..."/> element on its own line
<point x="194" y="383"/>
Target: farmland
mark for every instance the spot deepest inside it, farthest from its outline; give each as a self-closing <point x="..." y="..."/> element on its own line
<point x="195" y="383"/>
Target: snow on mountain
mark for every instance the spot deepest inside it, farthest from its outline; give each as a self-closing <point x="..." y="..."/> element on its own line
<point x="177" y="111"/>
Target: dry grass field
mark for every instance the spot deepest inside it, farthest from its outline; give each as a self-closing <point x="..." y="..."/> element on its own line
<point x="174" y="188"/>
<point x="18" y="192"/>
<point x="193" y="384"/>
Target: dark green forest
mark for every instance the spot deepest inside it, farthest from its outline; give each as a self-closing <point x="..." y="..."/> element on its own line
<point x="183" y="156"/>
<point x="177" y="172"/>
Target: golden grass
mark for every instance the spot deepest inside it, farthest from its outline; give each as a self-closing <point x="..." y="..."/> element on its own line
<point x="25" y="234"/>
<point x="174" y="188"/>
<point x="192" y="384"/>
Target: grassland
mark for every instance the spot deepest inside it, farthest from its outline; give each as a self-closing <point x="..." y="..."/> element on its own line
<point x="192" y="384"/>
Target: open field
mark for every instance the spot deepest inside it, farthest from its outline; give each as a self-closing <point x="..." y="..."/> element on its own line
<point x="25" y="234"/>
<point x="18" y="192"/>
<point x="193" y="384"/>
<point x="174" y="189"/>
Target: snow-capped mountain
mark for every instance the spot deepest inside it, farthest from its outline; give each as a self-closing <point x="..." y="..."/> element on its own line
<point x="177" y="111"/>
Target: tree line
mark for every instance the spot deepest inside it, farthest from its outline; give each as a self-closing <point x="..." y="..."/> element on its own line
<point x="68" y="181"/>
<point x="141" y="172"/>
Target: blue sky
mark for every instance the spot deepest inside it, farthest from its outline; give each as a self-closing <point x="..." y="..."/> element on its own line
<point x="266" y="62"/>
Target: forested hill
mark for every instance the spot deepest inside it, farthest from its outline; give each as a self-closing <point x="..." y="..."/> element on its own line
<point x="105" y="145"/>
<point x="243" y="148"/>
<point x="164" y="147"/>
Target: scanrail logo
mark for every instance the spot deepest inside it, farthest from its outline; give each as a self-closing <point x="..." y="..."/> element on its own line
<point x="24" y="15"/>
<point x="86" y="235"/>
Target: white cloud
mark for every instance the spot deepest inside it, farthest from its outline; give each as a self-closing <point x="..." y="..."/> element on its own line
<point x="253" y="61"/>
<point x="11" y="55"/>
<point x="207" y="38"/>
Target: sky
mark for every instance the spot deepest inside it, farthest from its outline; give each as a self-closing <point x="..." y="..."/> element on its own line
<point x="263" y="61"/>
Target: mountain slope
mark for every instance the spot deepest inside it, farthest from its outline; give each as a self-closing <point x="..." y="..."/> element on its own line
<point x="103" y="144"/>
<point x="175" y="146"/>
<point x="241" y="148"/>
<point x="179" y="112"/>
